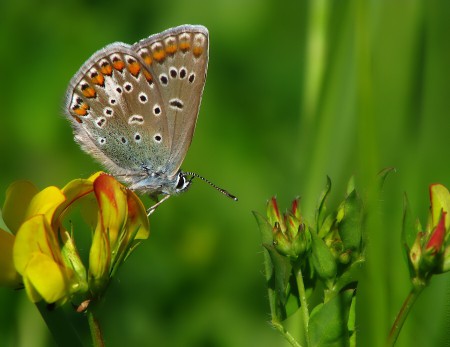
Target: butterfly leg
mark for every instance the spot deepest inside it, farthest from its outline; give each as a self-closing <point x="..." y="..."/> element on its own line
<point x="153" y="208"/>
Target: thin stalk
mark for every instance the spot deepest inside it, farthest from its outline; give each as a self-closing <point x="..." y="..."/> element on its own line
<point x="286" y="334"/>
<point x="403" y="313"/>
<point x="96" y="333"/>
<point x="303" y="302"/>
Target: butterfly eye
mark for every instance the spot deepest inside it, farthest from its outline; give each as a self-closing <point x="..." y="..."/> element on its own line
<point x="181" y="182"/>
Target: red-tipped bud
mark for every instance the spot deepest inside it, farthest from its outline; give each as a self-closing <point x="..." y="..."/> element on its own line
<point x="434" y="245"/>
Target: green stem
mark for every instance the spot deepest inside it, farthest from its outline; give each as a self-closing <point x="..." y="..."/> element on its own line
<point x="403" y="313"/>
<point x="60" y="327"/>
<point x="285" y="333"/>
<point x="303" y="302"/>
<point x="96" y="333"/>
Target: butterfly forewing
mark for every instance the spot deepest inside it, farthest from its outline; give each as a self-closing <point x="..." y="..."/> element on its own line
<point x="134" y="108"/>
<point x="178" y="60"/>
<point x="115" y="110"/>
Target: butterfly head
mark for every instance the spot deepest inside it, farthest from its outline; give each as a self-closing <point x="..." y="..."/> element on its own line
<point x="182" y="183"/>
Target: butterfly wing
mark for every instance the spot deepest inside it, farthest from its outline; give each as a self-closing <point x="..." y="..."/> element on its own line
<point x="115" y="111"/>
<point x="178" y="59"/>
<point x="134" y="108"/>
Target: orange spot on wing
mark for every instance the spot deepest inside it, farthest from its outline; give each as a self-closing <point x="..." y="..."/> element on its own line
<point x="171" y="49"/>
<point x="198" y="51"/>
<point x="185" y="46"/>
<point x="118" y="64"/>
<point x="159" y="55"/>
<point x="81" y="109"/>
<point x="88" y="91"/>
<point x="134" y="68"/>
<point x="98" y="79"/>
<point x="148" y="76"/>
<point x="106" y="69"/>
<point x="147" y="58"/>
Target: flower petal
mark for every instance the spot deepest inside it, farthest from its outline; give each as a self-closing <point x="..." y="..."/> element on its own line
<point x="137" y="217"/>
<point x="438" y="236"/>
<point x="440" y="200"/>
<point x="112" y="201"/>
<point x="46" y="202"/>
<point x="8" y="274"/>
<point x="99" y="259"/>
<point x="18" y="197"/>
<point x="46" y="277"/>
<point x="34" y="236"/>
<point x="73" y="191"/>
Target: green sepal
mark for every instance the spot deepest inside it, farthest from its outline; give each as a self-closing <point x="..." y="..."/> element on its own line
<point x="267" y="239"/>
<point x="322" y="259"/>
<point x="350" y="226"/>
<point x="329" y="323"/>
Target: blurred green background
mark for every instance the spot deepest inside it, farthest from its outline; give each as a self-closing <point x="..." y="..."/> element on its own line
<point x="296" y="90"/>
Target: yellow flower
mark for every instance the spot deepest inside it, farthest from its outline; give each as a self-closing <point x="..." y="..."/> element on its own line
<point x="40" y="253"/>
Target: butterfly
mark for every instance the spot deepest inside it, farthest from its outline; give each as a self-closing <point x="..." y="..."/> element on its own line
<point x="134" y="108"/>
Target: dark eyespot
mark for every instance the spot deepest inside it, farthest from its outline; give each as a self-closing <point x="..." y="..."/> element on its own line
<point x="128" y="87"/>
<point x="143" y="98"/>
<point x="163" y="79"/>
<point x="176" y="103"/>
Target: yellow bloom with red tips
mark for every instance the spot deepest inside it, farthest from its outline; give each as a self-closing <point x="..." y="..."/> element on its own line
<point x="122" y="223"/>
<point x="41" y="254"/>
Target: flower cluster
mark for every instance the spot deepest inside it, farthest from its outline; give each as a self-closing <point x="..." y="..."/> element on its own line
<point x="40" y="254"/>
<point x="428" y="249"/>
<point x="302" y="257"/>
<point x="291" y="237"/>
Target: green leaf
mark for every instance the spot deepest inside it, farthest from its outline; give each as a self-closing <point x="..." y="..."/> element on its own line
<point x="383" y="175"/>
<point x="409" y="231"/>
<point x="351" y="185"/>
<point x="286" y="300"/>
<point x="321" y="258"/>
<point x="282" y="269"/>
<point x="351" y="224"/>
<point x="352" y="322"/>
<point x="321" y="208"/>
<point x="327" y="224"/>
<point x="267" y="239"/>
<point x="329" y="322"/>
<point x="350" y="275"/>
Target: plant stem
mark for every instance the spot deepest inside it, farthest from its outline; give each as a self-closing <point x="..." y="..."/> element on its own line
<point x="285" y="333"/>
<point x="303" y="302"/>
<point x="402" y="314"/>
<point x="96" y="333"/>
<point x="60" y="327"/>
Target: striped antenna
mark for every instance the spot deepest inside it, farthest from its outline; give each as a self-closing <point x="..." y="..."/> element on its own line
<point x="223" y="191"/>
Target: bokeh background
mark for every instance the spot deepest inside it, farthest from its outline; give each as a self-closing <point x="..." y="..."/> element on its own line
<point x="296" y="90"/>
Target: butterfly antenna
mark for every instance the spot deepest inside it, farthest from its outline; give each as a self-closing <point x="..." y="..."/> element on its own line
<point x="223" y="191"/>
